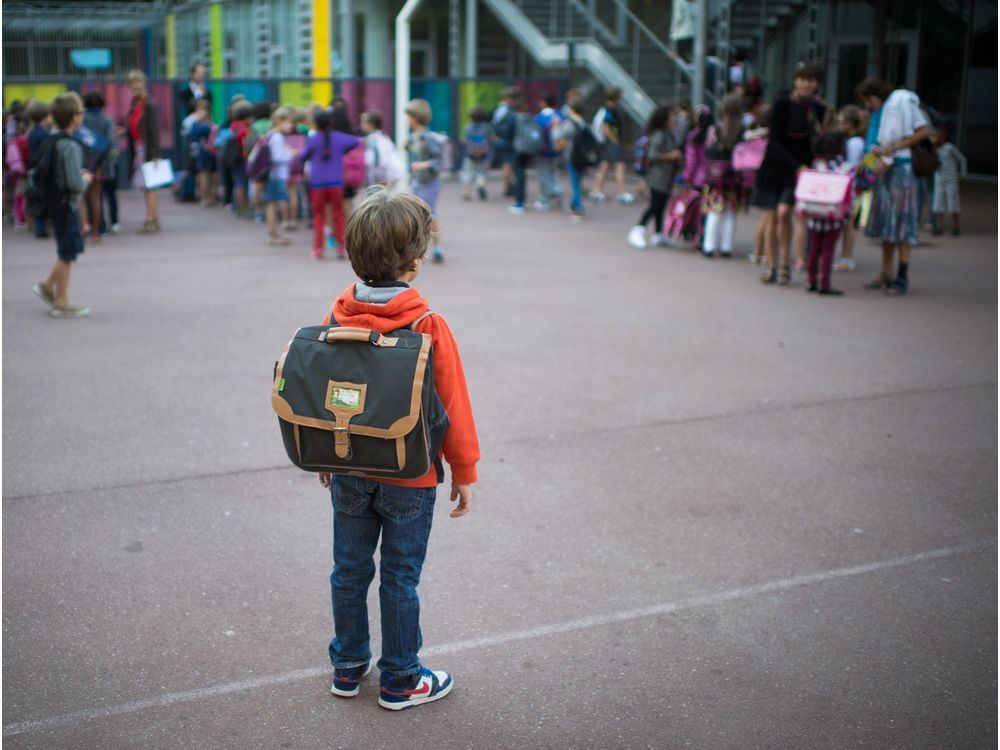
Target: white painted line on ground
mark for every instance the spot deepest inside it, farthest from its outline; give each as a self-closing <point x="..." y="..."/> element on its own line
<point x="583" y="623"/>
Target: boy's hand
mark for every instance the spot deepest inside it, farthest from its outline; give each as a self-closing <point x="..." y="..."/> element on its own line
<point x="463" y="493"/>
<point x="324" y="479"/>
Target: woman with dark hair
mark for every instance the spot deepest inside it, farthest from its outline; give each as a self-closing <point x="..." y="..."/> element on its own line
<point x="325" y="150"/>
<point x="663" y="158"/>
<point x="896" y="124"/>
<point x="795" y="121"/>
<point x="143" y="133"/>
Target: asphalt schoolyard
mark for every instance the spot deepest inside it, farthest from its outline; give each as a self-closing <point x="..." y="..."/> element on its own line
<point x="711" y="514"/>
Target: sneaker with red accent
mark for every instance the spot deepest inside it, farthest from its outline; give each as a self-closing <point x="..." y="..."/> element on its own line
<point x="402" y="692"/>
<point x="347" y="682"/>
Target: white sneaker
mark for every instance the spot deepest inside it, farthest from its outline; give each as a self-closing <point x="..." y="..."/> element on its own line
<point x="626" y="199"/>
<point x="116" y="228"/>
<point x="541" y="206"/>
<point x="844" y="264"/>
<point x="658" y="240"/>
<point x="597" y="197"/>
<point x="516" y="210"/>
<point x="637" y="237"/>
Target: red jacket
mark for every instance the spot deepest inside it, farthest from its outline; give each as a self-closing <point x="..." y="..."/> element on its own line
<point x="461" y="445"/>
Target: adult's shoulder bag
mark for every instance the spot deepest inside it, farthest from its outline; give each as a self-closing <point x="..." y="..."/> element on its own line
<point x="354" y="401"/>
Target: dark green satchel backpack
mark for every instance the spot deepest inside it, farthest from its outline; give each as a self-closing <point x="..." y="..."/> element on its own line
<point x="354" y="401"/>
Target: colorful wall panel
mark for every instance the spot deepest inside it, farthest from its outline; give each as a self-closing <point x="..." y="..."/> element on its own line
<point x="118" y="101"/>
<point x="44" y="92"/>
<point x="439" y="94"/>
<point x="485" y="94"/>
<point x="224" y="91"/>
<point x="363" y="95"/>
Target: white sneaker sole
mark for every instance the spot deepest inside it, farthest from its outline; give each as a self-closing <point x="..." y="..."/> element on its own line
<point x="350" y="693"/>
<point x="418" y="701"/>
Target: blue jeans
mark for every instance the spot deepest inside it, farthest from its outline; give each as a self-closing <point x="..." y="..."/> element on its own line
<point x="576" y="199"/>
<point x="363" y="509"/>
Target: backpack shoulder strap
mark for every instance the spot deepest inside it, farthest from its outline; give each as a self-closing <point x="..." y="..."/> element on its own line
<point x="413" y="325"/>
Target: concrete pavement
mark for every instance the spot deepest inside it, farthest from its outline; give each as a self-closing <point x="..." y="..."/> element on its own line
<point x="711" y="514"/>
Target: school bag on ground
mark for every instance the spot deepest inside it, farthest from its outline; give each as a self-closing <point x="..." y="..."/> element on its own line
<point x="259" y="160"/>
<point x="585" y="151"/>
<point x="42" y="193"/>
<point x="824" y="195"/>
<point x="683" y="218"/>
<point x="354" y="401"/>
<point x="529" y="138"/>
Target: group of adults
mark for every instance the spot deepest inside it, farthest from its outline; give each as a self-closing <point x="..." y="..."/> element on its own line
<point x="896" y="124"/>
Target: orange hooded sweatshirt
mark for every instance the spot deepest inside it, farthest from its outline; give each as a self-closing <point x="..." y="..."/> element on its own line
<point x="461" y="445"/>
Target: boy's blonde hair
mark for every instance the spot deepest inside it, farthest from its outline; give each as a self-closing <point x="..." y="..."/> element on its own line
<point x="419" y="110"/>
<point x="280" y="115"/>
<point x="65" y="107"/>
<point x="387" y="234"/>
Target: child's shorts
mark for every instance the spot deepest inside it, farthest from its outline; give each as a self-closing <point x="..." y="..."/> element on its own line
<point x="428" y="192"/>
<point x="275" y="191"/>
<point x="946" y="198"/>
<point x="66" y="227"/>
<point x="239" y="173"/>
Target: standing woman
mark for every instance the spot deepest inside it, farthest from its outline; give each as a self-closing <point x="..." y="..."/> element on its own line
<point x="795" y="122"/>
<point x="143" y="132"/>
<point x="896" y="125"/>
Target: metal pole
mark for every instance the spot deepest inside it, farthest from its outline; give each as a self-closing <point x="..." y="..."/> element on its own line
<point x="471" y="33"/>
<point x="698" y="79"/>
<point x="453" y="39"/>
<point x="403" y="69"/>
<point x="348" y="28"/>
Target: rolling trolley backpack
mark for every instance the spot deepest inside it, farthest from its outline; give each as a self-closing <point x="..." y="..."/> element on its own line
<point x="355" y="401"/>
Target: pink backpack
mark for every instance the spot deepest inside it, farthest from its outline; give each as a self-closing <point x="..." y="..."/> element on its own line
<point x="749" y="155"/>
<point x="354" y="167"/>
<point x="683" y="219"/>
<point x="823" y="195"/>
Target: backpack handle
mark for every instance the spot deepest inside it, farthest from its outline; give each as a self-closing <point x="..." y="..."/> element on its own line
<point x="357" y="334"/>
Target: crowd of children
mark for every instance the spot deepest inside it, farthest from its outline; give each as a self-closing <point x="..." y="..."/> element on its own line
<point x="284" y="166"/>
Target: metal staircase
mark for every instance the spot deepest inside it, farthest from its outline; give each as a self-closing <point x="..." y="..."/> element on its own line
<point x="624" y="53"/>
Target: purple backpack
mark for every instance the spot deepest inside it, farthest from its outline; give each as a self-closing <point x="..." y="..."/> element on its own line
<point x="259" y="161"/>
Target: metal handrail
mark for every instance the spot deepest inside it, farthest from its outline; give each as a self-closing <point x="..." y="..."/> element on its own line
<point x="650" y="36"/>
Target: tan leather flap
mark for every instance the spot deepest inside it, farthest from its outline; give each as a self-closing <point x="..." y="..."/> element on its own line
<point x="401" y="427"/>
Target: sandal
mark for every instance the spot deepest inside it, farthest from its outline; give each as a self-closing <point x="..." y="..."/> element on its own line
<point x="897" y="287"/>
<point x="277" y="239"/>
<point x="879" y="282"/>
<point x="770" y="276"/>
<point x="785" y="277"/>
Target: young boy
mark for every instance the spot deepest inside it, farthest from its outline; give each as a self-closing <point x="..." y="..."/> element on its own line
<point x="69" y="180"/>
<point x="387" y="239"/>
<point x="424" y="149"/>
<point x="476" y="146"/>
<point x="951" y="169"/>
<point x="549" y="189"/>
<point x="276" y="187"/>
<point x="609" y="132"/>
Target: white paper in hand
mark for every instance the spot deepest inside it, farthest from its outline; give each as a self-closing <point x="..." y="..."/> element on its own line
<point x="157" y="174"/>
